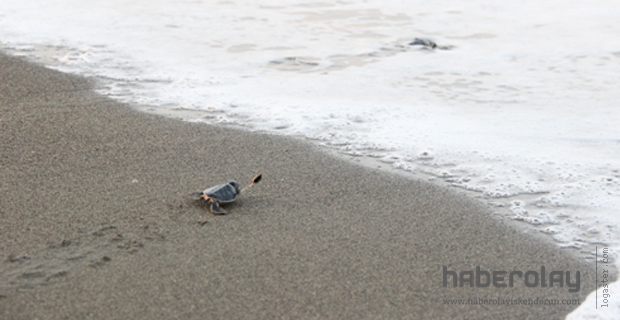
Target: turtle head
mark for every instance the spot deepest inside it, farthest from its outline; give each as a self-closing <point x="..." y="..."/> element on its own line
<point x="236" y="185"/>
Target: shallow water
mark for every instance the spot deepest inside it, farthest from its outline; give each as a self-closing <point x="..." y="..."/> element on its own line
<point x="522" y="111"/>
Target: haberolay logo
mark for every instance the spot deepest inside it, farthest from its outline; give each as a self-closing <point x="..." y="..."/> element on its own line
<point x="479" y="278"/>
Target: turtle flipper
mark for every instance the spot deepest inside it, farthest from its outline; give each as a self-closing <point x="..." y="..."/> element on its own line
<point x="196" y="195"/>
<point x="215" y="208"/>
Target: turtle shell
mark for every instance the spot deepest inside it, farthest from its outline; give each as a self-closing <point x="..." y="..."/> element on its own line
<point x="224" y="193"/>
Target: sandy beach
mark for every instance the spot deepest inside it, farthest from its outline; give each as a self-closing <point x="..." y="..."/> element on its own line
<point x="97" y="223"/>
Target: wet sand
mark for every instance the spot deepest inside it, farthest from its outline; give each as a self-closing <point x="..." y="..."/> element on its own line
<point x="97" y="223"/>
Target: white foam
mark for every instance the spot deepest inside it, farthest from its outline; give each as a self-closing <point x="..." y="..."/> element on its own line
<point x="523" y="110"/>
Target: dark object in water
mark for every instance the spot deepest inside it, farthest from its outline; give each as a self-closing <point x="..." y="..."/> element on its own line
<point x="223" y="193"/>
<point x="428" y="44"/>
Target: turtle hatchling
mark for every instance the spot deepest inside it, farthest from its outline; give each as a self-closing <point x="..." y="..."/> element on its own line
<point x="223" y="193"/>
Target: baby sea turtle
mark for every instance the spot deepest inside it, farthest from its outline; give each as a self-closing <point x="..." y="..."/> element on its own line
<point x="223" y="193"/>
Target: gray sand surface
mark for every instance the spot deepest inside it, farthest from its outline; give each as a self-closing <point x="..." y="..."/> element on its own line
<point x="96" y="223"/>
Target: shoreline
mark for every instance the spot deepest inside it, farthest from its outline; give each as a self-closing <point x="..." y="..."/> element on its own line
<point x="501" y="207"/>
<point x="498" y="207"/>
<point x="319" y="237"/>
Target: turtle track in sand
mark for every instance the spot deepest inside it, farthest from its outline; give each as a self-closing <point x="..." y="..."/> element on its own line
<point x="92" y="249"/>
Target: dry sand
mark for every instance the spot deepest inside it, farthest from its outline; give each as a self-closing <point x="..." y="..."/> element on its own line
<point x="97" y="224"/>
